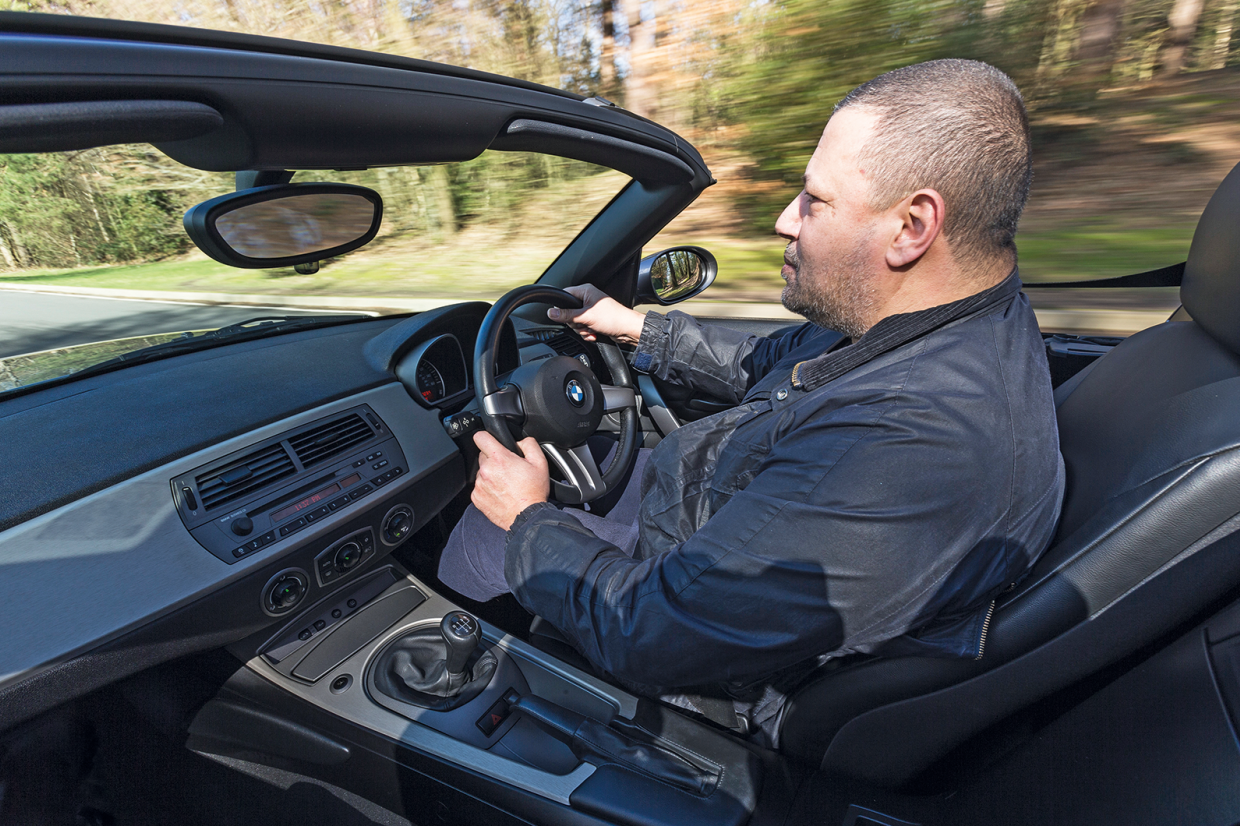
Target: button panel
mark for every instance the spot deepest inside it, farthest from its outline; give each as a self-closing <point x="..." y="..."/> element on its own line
<point x="250" y="526"/>
<point x="321" y="619"/>
<point x="345" y="556"/>
<point x="497" y="713"/>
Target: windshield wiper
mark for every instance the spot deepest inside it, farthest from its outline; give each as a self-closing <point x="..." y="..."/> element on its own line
<point x="251" y="328"/>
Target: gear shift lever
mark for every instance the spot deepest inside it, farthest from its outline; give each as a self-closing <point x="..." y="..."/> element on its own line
<point x="436" y="668"/>
<point x="461" y="635"/>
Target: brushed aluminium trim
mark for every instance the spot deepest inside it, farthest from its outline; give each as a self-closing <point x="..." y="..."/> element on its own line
<point x="354" y="705"/>
<point x="90" y="571"/>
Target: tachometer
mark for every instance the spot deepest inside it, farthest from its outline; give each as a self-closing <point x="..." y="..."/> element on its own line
<point x="430" y="382"/>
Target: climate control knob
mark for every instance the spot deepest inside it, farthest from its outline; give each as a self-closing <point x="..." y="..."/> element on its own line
<point x="348" y="555"/>
<point x="397" y="525"/>
<point x="285" y="591"/>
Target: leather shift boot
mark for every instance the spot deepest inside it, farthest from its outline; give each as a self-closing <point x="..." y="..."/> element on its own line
<point x="412" y="669"/>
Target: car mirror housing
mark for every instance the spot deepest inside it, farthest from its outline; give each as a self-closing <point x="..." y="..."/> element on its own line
<point x="285" y="224"/>
<point x="674" y="275"/>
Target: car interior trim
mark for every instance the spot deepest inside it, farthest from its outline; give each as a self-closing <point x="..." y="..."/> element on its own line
<point x="64" y="127"/>
<point x="129" y="538"/>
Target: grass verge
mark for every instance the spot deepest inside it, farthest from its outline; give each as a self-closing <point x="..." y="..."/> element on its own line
<point x="748" y="267"/>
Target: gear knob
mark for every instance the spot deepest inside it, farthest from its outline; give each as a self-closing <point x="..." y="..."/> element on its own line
<point x="461" y="634"/>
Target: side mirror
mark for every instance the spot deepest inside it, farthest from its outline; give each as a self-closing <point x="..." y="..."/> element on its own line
<point x="283" y="225"/>
<point x="674" y="275"/>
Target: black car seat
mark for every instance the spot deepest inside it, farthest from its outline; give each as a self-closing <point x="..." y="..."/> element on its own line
<point x="1150" y="435"/>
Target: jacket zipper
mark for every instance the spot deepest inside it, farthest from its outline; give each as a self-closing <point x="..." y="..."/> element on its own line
<point x="981" y="646"/>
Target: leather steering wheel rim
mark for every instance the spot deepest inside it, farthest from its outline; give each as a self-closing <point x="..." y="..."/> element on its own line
<point x="585" y="483"/>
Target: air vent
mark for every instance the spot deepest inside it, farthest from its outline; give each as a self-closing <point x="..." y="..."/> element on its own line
<point x="567" y="344"/>
<point x="243" y="476"/>
<point x="331" y="439"/>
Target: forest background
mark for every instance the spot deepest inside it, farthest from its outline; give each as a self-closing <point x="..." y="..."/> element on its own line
<point x="1135" y="107"/>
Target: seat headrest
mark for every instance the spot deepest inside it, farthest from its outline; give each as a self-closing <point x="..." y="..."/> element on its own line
<point x="1210" y="290"/>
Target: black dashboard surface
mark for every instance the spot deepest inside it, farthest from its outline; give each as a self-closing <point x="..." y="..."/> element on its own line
<point x="97" y="558"/>
<point x="59" y="445"/>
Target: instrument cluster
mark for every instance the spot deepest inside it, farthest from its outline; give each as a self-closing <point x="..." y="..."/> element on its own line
<point x="435" y="371"/>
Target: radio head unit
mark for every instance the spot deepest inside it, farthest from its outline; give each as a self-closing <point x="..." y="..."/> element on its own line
<point x="239" y="504"/>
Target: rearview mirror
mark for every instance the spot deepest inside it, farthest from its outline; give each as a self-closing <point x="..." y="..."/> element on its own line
<point x="674" y="275"/>
<point x="279" y="226"/>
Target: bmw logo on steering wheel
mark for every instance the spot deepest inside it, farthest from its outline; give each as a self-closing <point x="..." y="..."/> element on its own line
<point x="575" y="392"/>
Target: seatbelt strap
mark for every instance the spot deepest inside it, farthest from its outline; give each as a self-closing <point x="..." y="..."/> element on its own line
<point x="1164" y="277"/>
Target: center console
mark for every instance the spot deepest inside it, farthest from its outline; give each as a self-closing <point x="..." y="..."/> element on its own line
<point x="386" y="657"/>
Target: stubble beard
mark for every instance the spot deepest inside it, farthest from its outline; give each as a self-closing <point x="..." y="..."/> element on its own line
<point x="839" y="296"/>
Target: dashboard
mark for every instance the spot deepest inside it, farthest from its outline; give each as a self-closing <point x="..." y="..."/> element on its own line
<point x="109" y="568"/>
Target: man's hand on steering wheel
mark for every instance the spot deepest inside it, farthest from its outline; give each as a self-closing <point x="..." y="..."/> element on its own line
<point x="507" y="483"/>
<point x="600" y="314"/>
<point x="558" y="401"/>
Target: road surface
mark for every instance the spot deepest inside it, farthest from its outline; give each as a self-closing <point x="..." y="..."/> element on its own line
<point x="31" y="322"/>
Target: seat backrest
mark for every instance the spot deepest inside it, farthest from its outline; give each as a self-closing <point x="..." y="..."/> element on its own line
<point x="1150" y="435"/>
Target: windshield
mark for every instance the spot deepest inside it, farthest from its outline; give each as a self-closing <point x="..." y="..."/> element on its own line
<point x="94" y="262"/>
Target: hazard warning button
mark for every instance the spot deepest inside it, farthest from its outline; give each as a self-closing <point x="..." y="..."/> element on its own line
<point x="497" y="713"/>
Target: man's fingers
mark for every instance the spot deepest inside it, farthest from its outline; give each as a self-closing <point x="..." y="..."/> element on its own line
<point x="564" y="316"/>
<point x="487" y="444"/>
<point x="533" y="453"/>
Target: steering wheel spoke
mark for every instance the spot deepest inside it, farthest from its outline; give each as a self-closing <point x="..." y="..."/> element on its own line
<point x="505" y="403"/>
<point x="618" y="398"/>
<point x="557" y="400"/>
<point x="582" y="479"/>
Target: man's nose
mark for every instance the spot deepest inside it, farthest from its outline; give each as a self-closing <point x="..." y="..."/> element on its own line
<point x="789" y="223"/>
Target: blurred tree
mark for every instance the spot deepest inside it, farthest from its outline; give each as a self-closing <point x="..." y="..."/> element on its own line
<point x="1221" y="47"/>
<point x="608" y="85"/>
<point x="1182" y="28"/>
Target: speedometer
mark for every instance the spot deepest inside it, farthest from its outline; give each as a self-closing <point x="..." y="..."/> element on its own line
<point x="434" y="371"/>
<point x="430" y="381"/>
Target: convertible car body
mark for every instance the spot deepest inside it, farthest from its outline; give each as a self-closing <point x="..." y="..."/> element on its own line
<point x="204" y="555"/>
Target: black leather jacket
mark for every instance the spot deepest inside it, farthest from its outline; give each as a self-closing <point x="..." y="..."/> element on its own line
<point x="874" y="497"/>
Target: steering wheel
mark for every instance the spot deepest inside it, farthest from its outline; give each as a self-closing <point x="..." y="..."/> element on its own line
<point x="559" y="401"/>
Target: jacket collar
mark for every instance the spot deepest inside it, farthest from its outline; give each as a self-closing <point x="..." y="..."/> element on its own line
<point x="896" y="330"/>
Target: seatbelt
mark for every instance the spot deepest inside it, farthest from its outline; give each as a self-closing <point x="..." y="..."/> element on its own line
<point x="1163" y="277"/>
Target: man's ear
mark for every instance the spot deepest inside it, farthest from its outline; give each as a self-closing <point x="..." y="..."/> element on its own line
<point x="921" y="217"/>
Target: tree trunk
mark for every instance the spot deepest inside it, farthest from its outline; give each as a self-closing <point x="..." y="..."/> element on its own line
<point x="441" y="193"/>
<point x="1095" y="50"/>
<point x="10" y="263"/>
<point x="639" y="97"/>
<point x="1182" y="22"/>
<point x="15" y="243"/>
<point x="1222" y="35"/>
<point x="607" y="56"/>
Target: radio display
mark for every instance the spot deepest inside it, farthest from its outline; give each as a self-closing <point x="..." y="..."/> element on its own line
<point x="316" y="497"/>
<point x="313" y="498"/>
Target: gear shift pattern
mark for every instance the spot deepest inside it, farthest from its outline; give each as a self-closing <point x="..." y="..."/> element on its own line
<point x="461" y="635"/>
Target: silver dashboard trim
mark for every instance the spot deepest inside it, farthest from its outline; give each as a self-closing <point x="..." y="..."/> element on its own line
<point x="354" y="705"/>
<point x="133" y="559"/>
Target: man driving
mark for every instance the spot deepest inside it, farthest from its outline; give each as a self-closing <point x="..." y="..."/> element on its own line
<point x="888" y="468"/>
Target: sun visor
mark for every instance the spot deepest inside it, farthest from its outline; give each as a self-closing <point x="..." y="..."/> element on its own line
<point x="63" y="127"/>
<point x="287" y="125"/>
<point x="641" y="162"/>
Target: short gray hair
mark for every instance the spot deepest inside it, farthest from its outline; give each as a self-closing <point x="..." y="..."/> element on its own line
<point x="958" y="127"/>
